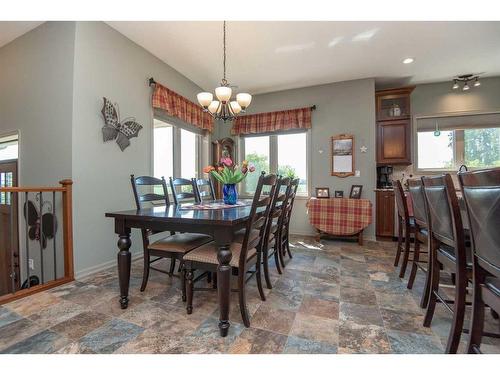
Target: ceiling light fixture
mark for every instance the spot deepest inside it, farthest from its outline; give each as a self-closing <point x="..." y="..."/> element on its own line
<point x="408" y="60"/>
<point x="224" y="108"/>
<point x="466" y="78"/>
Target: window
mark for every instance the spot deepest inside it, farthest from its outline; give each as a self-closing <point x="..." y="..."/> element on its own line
<point x="188" y="157"/>
<point x="176" y="151"/>
<point x="474" y="147"/>
<point x="284" y="154"/>
<point x="163" y="150"/>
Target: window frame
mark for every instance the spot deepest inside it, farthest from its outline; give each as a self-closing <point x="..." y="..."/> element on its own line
<point x="177" y="125"/>
<point x="273" y="157"/>
<point x="458" y="142"/>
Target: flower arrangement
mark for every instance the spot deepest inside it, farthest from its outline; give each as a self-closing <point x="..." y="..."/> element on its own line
<point x="229" y="174"/>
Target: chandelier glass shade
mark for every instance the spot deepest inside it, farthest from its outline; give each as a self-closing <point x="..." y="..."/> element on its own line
<point x="222" y="107"/>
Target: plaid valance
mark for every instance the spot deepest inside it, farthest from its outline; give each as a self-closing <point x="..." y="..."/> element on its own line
<point x="272" y="121"/>
<point x="178" y="106"/>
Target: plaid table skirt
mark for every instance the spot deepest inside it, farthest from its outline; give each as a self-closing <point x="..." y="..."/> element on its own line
<point x="339" y="216"/>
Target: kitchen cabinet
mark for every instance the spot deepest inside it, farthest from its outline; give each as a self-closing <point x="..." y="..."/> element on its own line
<point x="384" y="208"/>
<point x="393" y="126"/>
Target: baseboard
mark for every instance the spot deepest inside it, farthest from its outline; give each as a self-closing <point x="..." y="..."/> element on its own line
<point x="100" y="267"/>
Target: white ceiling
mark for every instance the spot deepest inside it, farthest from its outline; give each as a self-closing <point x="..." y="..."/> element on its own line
<point x="11" y="30"/>
<point x="271" y="56"/>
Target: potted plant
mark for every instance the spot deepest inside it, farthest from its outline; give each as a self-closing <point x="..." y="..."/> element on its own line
<point x="229" y="174"/>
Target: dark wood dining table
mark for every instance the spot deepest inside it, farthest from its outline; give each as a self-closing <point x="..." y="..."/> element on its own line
<point x="221" y="224"/>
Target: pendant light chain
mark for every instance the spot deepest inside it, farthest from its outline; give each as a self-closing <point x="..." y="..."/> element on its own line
<point x="224" y="81"/>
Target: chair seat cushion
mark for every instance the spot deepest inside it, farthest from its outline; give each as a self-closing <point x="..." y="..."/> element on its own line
<point x="493" y="284"/>
<point x="208" y="254"/>
<point x="449" y="252"/>
<point x="180" y="242"/>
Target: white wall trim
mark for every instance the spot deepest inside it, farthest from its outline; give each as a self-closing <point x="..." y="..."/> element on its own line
<point x="99" y="267"/>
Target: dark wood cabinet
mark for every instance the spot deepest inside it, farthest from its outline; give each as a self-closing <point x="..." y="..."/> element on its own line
<point x="394" y="126"/>
<point x="394" y="142"/>
<point x="384" y="226"/>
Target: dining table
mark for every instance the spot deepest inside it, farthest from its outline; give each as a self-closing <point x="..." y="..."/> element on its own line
<point x="221" y="223"/>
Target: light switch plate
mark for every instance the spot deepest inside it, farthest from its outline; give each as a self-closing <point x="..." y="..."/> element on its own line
<point x="357" y="173"/>
<point x="31" y="264"/>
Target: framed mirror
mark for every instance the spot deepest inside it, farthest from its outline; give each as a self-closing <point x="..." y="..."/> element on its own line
<point x="342" y="155"/>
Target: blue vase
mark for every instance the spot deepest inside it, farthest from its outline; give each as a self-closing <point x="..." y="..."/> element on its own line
<point x="229" y="193"/>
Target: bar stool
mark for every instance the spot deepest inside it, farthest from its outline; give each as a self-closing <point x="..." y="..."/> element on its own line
<point x="447" y="252"/>
<point x="421" y="237"/>
<point x="406" y="227"/>
<point x="481" y="193"/>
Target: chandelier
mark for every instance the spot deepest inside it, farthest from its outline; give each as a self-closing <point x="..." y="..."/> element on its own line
<point x="224" y="108"/>
<point x="466" y="78"/>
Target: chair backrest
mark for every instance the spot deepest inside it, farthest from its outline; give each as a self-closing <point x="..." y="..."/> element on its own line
<point x="153" y="185"/>
<point x="276" y="209"/>
<point x="204" y="189"/>
<point x="401" y="203"/>
<point x="259" y="213"/>
<point x="444" y="219"/>
<point x="416" y="190"/>
<point x="294" y="185"/>
<point x="183" y="190"/>
<point x="481" y="193"/>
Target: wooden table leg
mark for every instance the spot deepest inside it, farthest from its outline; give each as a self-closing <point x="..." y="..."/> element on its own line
<point x="360" y="237"/>
<point x="124" y="260"/>
<point x="224" y="287"/>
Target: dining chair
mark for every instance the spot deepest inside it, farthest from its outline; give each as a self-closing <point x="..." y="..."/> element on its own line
<point x="420" y="214"/>
<point x="204" y="189"/>
<point x="244" y="255"/>
<point x="183" y="190"/>
<point x="406" y="228"/>
<point x="271" y="237"/>
<point x="447" y="252"/>
<point x="173" y="246"/>
<point x="481" y="193"/>
<point x="285" y="229"/>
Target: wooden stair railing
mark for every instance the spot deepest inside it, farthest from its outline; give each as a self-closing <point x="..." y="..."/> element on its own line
<point x="66" y="212"/>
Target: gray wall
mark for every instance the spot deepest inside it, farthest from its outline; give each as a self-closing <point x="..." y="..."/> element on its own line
<point x="108" y="64"/>
<point x="36" y="90"/>
<point x="436" y="98"/>
<point x="345" y="107"/>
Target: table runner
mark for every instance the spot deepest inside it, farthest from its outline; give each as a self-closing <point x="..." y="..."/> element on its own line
<point x="212" y="206"/>
<point x="339" y="216"/>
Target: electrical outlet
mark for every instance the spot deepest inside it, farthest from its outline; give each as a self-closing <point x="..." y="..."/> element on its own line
<point x="357" y="173"/>
<point x="31" y="264"/>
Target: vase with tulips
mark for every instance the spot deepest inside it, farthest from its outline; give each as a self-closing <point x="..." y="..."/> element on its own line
<point x="229" y="174"/>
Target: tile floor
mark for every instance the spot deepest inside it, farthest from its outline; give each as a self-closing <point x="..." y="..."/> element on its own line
<point x="334" y="297"/>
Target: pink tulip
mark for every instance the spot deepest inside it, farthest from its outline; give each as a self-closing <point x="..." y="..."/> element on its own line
<point x="251" y="168"/>
<point x="244" y="170"/>
<point x="226" y="161"/>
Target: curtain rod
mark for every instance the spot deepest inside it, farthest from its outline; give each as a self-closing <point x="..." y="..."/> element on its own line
<point x="153" y="82"/>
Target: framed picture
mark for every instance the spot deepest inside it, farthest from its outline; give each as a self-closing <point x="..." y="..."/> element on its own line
<point x="322" y="192"/>
<point x="339" y="194"/>
<point x="342" y="152"/>
<point x="356" y="191"/>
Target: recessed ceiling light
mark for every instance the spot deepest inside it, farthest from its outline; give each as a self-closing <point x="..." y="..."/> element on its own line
<point x="408" y="60"/>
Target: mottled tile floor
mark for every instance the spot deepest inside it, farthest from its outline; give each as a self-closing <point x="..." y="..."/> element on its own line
<point x="333" y="297"/>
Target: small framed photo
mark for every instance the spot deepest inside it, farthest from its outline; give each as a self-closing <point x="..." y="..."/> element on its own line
<point x="339" y="194"/>
<point x="356" y="191"/>
<point x="322" y="192"/>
